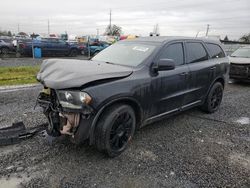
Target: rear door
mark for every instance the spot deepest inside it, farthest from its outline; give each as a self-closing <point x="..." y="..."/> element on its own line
<point x="201" y="72"/>
<point x="170" y="86"/>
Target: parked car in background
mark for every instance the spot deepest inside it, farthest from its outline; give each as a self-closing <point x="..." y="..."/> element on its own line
<point x="51" y="46"/>
<point x="95" y="47"/>
<point x="6" y="46"/>
<point x="240" y="64"/>
<point x="81" y="48"/>
<point x="129" y="85"/>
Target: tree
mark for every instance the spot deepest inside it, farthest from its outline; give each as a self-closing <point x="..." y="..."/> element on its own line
<point x="226" y="38"/>
<point x="3" y="33"/>
<point x="113" y="31"/>
<point x="9" y="33"/>
<point x="245" y="38"/>
<point x="22" y="34"/>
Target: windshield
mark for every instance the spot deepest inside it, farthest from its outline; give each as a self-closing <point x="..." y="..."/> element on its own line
<point x="242" y="52"/>
<point x="125" y="53"/>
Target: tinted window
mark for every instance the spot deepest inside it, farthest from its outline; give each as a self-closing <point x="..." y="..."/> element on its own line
<point x="196" y="52"/>
<point x="175" y="52"/>
<point x="215" y="50"/>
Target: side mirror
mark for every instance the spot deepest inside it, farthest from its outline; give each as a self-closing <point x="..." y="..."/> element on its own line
<point x="164" y="64"/>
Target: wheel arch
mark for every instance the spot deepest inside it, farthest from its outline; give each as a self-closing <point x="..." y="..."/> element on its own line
<point x="221" y="80"/>
<point x="124" y="100"/>
<point x="218" y="79"/>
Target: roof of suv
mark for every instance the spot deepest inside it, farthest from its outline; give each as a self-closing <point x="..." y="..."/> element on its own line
<point x="163" y="39"/>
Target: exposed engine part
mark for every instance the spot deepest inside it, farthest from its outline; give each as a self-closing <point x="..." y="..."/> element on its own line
<point x="72" y="122"/>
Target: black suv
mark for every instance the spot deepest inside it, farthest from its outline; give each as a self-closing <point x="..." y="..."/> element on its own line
<point x="129" y="85"/>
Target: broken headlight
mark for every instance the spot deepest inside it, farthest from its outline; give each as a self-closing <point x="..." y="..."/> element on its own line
<point x="73" y="99"/>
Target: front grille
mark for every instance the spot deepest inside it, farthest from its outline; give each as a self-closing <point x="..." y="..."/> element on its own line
<point x="240" y="70"/>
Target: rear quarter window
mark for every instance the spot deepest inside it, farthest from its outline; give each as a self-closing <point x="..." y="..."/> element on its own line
<point x="215" y="50"/>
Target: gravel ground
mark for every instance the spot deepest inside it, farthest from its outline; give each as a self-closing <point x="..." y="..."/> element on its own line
<point x="191" y="149"/>
<point x="28" y="61"/>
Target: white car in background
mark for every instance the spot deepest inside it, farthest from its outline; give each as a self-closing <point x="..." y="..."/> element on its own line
<point x="240" y="64"/>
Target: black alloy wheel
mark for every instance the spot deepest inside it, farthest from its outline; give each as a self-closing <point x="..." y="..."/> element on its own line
<point x="121" y="131"/>
<point x="115" y="129"/>
<point x="214" y="98"/>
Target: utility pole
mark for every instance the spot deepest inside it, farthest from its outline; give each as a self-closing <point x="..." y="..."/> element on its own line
<point x="110" y="18"/>
<point x="48" y="27"/>
<point x="97" y="32"/>
<point x="18" y="28"/>
<point x="207" y="29"/>
<point x="197" y="34"/>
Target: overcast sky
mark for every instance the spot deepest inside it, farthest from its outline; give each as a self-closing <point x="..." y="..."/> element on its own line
<point x="175" y="17"/>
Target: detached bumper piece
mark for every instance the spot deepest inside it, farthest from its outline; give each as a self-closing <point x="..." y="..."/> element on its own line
<point x="17" y="132"/>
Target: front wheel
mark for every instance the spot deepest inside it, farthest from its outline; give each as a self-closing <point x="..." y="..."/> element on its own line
<point x="5" y="51"/>
<point x="115" y="129"/>
<point x="214" y="98"/>
<point x="96" y="53"/>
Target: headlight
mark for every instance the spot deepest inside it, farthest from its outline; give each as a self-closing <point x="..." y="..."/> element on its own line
<point x="73" y="99"/>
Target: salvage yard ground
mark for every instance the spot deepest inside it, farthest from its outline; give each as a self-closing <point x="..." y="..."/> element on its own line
<point x="191" y="149"/>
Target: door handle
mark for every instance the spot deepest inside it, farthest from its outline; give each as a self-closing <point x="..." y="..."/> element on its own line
<point x="184" y="74"/>
<point x="212" y="68"/>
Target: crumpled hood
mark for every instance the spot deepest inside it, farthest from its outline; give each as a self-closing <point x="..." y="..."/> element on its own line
<point x="239" y="60"/>
<point x="68" y="73"/>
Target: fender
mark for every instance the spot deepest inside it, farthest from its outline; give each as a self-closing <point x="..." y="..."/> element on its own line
<point x="101" y="110"/>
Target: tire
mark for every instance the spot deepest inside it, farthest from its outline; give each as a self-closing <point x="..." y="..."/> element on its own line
<point x="97" y="52"/>
<point x="214" y="98"/>
<point x="73" y="53"/>
<point x="18" y="54"/>
<point x="5" y="51"/>
<point x="115" y="130"/>
<point x="82" y="52"/>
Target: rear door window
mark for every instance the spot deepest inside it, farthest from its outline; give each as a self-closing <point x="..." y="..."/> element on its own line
<point x="196" y="52"/>
<point x="215" y="50"/>
<point x="175" y="52"/>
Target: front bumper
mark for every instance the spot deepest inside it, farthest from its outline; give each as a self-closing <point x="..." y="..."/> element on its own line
<point x="75" y="123"/>
<point x="240" y="71"/>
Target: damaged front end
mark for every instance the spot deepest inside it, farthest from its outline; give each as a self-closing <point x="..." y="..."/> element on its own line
<point x="66" y="111"/>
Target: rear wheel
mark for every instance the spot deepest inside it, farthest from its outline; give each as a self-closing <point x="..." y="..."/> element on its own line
<point x="73" y="53"/>
<point x="214" y="98"/>
<point x="115" y="129"/>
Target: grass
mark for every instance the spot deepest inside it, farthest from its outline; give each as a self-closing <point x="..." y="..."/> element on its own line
<point x="18" y="75"/>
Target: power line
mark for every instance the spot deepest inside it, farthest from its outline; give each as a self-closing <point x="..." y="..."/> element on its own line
<point x="48" y="28"/>
<point x="110" y="17"/>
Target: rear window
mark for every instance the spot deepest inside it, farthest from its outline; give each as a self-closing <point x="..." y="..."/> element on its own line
<point x="215" y="50"/>
<point x="196" y="52"/>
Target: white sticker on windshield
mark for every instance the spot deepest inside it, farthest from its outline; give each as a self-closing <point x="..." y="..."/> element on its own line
<point x="140" y="48"/>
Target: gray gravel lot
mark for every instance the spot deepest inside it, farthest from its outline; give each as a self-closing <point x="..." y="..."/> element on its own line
<point x="191" y="149"/>
<point x="28" y="61"/>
